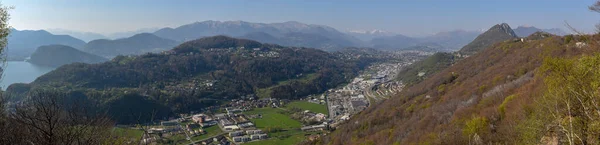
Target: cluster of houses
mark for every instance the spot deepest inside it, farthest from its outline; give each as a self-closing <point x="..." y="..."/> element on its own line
<point x="248" y="135"/>
<point x="232" y="121"/>
<point x="218" y="140"/>
<point x="204" y="120"/>
<point x="250" y="102"/>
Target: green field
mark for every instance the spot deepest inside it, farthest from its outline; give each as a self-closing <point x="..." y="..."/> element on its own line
<point x="290" y="137"/>
<point x="304" y="105"/>
<point x="128" y="132"/>
<point x="210" y="131"/>
<point x="271" y="118"/>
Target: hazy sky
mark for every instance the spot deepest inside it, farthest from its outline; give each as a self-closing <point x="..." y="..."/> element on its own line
<point x="400" y="16"/>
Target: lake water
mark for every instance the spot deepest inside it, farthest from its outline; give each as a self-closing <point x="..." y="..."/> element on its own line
<point x="21" y="72"/>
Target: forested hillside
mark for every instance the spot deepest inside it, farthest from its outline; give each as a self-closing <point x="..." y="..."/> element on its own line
<point x="197" y="74"/>
<point x="538" y="91"/>
<point x="57" y="55"/>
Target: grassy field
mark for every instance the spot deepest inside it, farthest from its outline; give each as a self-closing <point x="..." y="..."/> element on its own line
<point x="128" y="132"/>
<point x="271" y="118"/>
<point x="290" y="137"/>
<point x="304" y="105"/>
<point x="210" y="131"/>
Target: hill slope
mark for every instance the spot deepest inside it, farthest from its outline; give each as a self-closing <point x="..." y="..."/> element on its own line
<point x="497" y="33"/>
<point x="496" y="96"/>
<point x="134" y="45"/>
<point x="421" y="70"/>
<point x="195" y="75"/>
<point x="57" y="55"/>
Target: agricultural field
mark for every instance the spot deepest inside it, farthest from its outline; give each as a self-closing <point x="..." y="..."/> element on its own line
<point x="289" y="137"/>
<point x="129" y="132"/>
<point x="272" y="118"/>
<point x="304" y="105"/>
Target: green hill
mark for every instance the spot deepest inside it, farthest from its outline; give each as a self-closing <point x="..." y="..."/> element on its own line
<point x="195" y="75"/>
<point x="57" y="55"/>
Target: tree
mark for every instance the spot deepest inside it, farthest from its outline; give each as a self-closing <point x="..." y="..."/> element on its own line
<point x="52" y="118"/>
<point x="572" y="97"/>
<point x="596" y="8"/>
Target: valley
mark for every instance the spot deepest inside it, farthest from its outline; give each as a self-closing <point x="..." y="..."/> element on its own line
<point x="299" y="72"/>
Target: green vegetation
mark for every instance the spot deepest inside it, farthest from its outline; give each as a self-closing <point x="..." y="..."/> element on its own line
<point x="304" y="105"/>
<point x="210" y="131"/>
<point x="502" y="107"/>
<point x="477" y="125"/>
<point x="128" y="132"/>
<point x="268" y="92"/>
<point x="272" y="119"/>
<point x="281" y="128"/>
<point x="162" y="85"/>
<point x="57" y="55"/>
<point x="281" y="138"/>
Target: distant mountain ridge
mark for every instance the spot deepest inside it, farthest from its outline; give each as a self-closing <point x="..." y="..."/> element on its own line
<point x="134" y="45"/>
<point x="524" y="31"/>
<point x="85" y="36"/>
<point x="57" y="55"/>
<point x="22" y="43"/>
<point x="368" y="35"/>
<point x="291" y="33"/>
<point x="451" y="40"/>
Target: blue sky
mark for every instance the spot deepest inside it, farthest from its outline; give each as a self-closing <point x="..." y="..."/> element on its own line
<point x="400" y="16"/>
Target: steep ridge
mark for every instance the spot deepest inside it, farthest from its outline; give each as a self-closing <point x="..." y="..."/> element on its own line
<point x="491" y="97"/>
<point x="497" y="33"/>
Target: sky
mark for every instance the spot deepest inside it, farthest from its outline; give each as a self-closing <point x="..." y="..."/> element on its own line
<point x="409" y="17"/>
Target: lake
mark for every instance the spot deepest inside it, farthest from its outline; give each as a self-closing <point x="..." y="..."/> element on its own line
<point x="21" y="72"/>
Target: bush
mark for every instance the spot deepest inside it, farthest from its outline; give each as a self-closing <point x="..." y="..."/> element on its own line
<point x="502" y="107"/>
<point x="477" y="125"/>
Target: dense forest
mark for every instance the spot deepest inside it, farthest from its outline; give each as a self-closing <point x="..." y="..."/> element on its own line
<point x="197" y="74"/>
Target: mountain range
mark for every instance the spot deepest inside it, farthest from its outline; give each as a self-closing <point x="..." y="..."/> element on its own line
<point x="368" y="35"/>
<point x="134" y="45"/>
<point x="22" y="43"/>
<point x="296" y="34"/>
<point x="451" y="40"/>
<point x="287" y="33"/>
<point x="524" y="31"/>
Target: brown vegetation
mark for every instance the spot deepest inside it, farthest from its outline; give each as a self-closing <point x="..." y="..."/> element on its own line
<point x="459" y="114"/>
